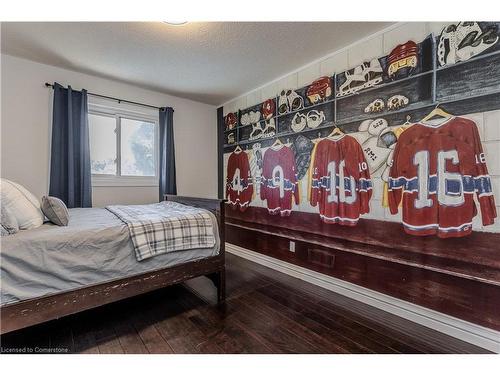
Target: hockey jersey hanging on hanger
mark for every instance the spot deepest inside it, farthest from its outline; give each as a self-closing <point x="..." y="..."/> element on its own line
<point x="279" y="180"/>
<point x="437" y="168"/>
<point x="239" y="185"/>
<point x="340" y="181"/>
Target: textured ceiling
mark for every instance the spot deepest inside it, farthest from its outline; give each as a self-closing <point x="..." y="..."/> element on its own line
<point x="207" y="62"/>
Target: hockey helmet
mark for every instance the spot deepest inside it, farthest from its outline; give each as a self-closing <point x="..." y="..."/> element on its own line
<point x="402" y="60"/>
<point x="230" y="121"/>
<point x="268" y="109"/>
<point x="319" y="90"/>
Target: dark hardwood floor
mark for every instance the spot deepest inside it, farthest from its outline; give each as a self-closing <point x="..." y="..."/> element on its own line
<point x="265" y="312"/>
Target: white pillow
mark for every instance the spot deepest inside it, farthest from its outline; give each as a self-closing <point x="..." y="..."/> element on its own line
<point x="22" y="204"/>
<point x="9" y="223"/>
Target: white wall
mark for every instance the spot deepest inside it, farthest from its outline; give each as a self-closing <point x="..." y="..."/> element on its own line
<point x="25" y="131"/>
<point x="377" y="45"/>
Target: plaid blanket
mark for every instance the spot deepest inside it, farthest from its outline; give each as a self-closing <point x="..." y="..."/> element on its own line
<point x="166" y="227"/>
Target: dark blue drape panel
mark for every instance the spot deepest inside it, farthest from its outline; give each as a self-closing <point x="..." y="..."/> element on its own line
<point x="70" y="149"/>
<point x="167" y="153"/>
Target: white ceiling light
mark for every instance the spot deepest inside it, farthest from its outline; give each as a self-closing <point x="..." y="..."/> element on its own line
<point x="175" y="23"/>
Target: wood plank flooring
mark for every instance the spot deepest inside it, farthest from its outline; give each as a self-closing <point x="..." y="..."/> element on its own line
<point x="265" y="312"/>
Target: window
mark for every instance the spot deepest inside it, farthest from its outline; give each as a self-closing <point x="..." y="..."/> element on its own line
<point x="123" y="148"/>
<point x="137" y="148"/>
<point x="102" y="131"/>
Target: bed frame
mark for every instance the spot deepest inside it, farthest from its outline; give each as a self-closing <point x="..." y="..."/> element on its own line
<point x="38" y="310"/>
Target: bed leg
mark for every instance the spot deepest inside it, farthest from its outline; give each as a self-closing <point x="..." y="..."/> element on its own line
<point x="219" y="280"/>
<point x="221" y="286"/>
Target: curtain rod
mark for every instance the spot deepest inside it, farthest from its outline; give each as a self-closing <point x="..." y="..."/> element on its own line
<point x="113" y="98"/>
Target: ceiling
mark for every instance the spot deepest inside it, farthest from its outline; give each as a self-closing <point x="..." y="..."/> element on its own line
<point x="206" y="62"/>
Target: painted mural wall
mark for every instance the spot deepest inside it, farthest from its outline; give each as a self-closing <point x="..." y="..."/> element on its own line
<point x="356" y="106"/>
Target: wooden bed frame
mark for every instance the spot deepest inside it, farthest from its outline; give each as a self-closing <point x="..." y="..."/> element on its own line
<point x="38" y="310"/>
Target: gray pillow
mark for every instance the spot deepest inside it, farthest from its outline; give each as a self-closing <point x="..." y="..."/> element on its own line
<point x="9" y="223"/>
<point x="55" y="210"/>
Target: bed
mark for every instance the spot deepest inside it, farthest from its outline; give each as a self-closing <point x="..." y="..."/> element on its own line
<point x="50" y="272"/>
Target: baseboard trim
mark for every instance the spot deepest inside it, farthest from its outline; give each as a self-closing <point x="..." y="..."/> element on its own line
<point x="472" y="333"/>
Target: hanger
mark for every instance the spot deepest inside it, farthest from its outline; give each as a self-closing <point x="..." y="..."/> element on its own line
<point x="316" y="140"/>
<point x="335" y="131"/>
<point x="407" y="122"/>
<point x="437" y="111"/>
<point x="277" y="142"/>
<point x="238" y="149"/>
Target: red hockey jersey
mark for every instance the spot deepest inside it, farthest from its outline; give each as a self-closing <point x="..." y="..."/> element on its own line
<point x="279" y="181"/>
<point x="239" y="185"/>
<point x="436" y="171"/>
<point x="340" y="181"/>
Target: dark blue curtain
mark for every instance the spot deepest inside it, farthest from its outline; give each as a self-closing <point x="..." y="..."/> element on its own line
<point x="167" y="153"/>
<point x="70" y="149"/>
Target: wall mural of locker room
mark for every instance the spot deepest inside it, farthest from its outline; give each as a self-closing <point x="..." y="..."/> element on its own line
<point x="400" y="118"/>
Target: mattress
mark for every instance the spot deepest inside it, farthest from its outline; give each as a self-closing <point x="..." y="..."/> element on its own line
<point x="94" y="248"/>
